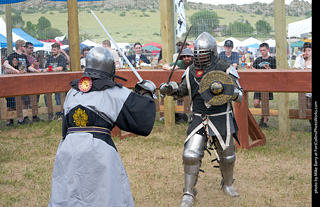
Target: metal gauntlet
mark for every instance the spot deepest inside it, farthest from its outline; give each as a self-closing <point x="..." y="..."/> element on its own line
<point x="146" y="88"/>
<point x="168" y="89"/>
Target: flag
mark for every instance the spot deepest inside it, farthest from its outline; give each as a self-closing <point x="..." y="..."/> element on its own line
<point x="60" y="39"/>
<point x="181" y="24"/>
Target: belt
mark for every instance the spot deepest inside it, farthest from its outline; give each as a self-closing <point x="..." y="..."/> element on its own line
<point x="89" y="129"/>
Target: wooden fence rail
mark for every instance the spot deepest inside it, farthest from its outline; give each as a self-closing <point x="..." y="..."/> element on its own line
<point x="280" y="80"/>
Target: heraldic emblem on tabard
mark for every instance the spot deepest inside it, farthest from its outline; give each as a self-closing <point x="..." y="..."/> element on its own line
<point x="80" y="118"/>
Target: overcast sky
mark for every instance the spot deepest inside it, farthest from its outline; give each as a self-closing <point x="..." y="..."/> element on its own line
<point x="216" y="2"/>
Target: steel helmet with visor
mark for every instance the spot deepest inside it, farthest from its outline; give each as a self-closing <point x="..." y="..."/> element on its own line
<point x="205" y="47"/>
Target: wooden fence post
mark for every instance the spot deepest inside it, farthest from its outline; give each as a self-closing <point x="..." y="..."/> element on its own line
<point x="281" y="52"/>
<point x="73" y="35"/>
<point x="167" y="40"/>
<point x="241" y="115"/>
<point x="9" y="28"/>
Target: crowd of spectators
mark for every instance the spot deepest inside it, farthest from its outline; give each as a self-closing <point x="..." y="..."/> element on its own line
<point x="24" y="61"/>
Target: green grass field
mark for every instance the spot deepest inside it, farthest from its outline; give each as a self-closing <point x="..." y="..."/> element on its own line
<point x="276" y="174"/>
<point x="136" y="25"/>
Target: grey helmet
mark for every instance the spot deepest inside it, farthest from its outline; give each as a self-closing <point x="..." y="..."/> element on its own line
<point x="205" y="47"/>
<point x="100" y="64"/>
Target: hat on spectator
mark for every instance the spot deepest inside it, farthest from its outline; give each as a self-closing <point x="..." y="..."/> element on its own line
<point x="187" y="52"/>
<point x="228" y="43"/>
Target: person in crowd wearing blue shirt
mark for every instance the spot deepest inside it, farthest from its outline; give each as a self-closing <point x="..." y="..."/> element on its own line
<point x="227" y="54"/>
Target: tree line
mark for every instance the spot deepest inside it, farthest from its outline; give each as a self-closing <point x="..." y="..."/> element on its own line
<point x="209" y="21"/>
<point x="41" y="30"/>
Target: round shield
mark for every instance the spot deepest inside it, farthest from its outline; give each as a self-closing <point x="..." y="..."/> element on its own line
<point x="85" y="84"/>
<point x="216" y="88"/>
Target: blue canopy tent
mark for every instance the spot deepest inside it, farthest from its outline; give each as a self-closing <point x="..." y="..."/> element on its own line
<point x="81" y="45"/>
<point x="27" y="37"/>
<point x="18" y="34"/>
<point x="298" y="44"/>
<point x="3" y="41"/>
<point x="17" y="31"/>
<point x="255" y="45"/>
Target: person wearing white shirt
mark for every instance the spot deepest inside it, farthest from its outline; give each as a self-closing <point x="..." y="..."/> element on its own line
<point x="107" y="44"/>
<point x="304" y="61"/>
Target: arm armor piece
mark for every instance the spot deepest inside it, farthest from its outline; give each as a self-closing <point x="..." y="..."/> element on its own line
<point x="238" y="92"/>
<point x="237" y="95"/>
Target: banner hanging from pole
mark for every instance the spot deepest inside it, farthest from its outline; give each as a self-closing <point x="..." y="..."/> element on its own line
<point x="181" y="24"/>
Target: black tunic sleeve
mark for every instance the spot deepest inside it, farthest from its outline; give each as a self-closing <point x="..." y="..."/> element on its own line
<point x="137" y="115"/>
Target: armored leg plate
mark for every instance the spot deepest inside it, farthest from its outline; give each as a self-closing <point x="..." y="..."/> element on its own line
<point x="192" y="155"/>
<point x="226" y="165"/>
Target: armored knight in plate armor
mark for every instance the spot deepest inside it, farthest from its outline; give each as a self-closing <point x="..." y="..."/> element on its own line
<point x="88" y="170"/>
<point x="212" y="84"/>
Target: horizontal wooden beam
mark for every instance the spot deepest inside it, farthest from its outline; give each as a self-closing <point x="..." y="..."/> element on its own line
<point x="36" y="83"/>
<point x="250" y="80"/>
<point x="276" y="80"/>
<point x="39" y="83"/>
<point x="293" y="113"/>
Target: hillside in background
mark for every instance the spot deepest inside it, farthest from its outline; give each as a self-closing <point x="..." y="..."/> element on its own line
<point x="139" y="20"/>
<point x="296" y="7"/>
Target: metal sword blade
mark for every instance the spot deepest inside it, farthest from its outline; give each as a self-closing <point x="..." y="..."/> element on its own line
<point x="122" y="54"/>
<point x="175" y="64"/>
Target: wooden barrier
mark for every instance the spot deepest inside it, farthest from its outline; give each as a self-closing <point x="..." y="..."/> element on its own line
<point x="48" y="83"/>
<point x="292" y="81"/>
<point x="275" y="80"/>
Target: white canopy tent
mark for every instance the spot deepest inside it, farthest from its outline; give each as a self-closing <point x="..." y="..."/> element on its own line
<point x="271" y="42"/>
<point x="46" y="47"/>
<point x="250" y="41"/>
<point x="296" y="29"/>
<point x="252" y="44"/>
<point x="91" y="43"/>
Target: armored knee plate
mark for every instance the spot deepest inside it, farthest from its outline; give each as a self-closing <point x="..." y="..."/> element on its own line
<point x="194" y="150"/>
